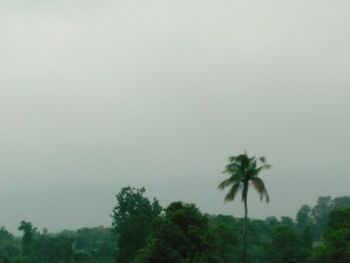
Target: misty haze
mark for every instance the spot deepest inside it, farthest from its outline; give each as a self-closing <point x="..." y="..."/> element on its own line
<point x="174" y="131"/>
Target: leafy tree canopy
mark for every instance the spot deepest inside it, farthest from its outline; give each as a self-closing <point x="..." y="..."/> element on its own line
<point x="180" y="236"/>
<point x="133" y="217"/>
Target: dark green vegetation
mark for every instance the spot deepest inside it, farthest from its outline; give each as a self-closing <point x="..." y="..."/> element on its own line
<point x="336" y="244"/>
<point x="133" y="217"/>
<point x="244" y="171"/>
<point x="142" y="231"/>
<point x="84" y="245"/>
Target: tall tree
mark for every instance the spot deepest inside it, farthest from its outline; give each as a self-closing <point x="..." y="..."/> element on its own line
<point x="133" y="217"/>
<point x="29" y="233"/>
<point x="303" y="217"/>
<point x="244" y="171"/>
<point x="320" y="213"/>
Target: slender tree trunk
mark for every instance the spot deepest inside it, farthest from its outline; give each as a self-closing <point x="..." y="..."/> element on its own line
<point x="244" y="250"/>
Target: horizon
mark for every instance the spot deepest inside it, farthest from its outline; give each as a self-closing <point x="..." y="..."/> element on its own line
<point x="234" y="209"/>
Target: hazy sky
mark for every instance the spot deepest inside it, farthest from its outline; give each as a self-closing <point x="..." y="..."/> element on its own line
<point x="97" y="95"/>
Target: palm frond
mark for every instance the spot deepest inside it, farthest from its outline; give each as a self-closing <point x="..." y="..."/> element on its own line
<point x="266" y="166"/>
<point x="234" y="178"/>
<point x="261" y="168"/>
<point x="230" y="196"/>
<point x="224" y="184"/>
<point x="259" y="186"/>
<point x="231" y="168"/>
<point x="262" y="159"/>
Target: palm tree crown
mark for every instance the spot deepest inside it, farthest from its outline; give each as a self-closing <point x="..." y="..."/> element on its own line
<point x="243" y="171"/>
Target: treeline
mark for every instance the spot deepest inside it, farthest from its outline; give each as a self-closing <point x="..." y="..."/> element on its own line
<point x="142" y="231"/>
<point x="181" y="233"/>
<point x="85" y="245"/>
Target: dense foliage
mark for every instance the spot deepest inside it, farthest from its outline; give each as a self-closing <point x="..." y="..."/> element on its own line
<point x="336" y="244"/>
<point x="133" y="217"/>
<point x="180" y="236"/>
<point x="144" y="232"/>
<point x="82" y="246"/>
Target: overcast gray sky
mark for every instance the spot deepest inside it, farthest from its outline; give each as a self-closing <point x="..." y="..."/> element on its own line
<point x="97" y="95"/>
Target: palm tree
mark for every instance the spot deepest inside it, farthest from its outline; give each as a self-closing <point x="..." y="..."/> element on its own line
<point x="244" y="171"/>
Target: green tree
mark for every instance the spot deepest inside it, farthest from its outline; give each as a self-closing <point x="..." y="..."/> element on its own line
<point x="244" y="171"/>
<point x="303" y="217"/>
<point x="29" y="233"/>
<point x="341" y="201"/>
<point x="258" y="235"/>
<point x="180" y="236"/>
<point x="271" y="222"/>
<point x="97" y="242"/>
<point x="8" y="247"/>
<point x="225" y="231"/>
<point x="320" y="213"/>
<point x="336" y="244"/>
<point x="133" y="217"/>
<point x="52" y="249"/>
<point x="286" y="220"/>
<point x="286" y="245"/>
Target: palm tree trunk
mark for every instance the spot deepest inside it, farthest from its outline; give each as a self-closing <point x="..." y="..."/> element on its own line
<point x="244" y="251"/>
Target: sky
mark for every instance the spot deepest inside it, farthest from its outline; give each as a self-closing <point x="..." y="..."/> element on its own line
<point x="98" y="95"/>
